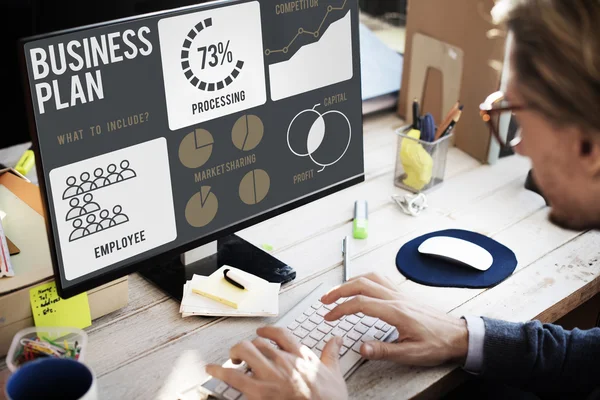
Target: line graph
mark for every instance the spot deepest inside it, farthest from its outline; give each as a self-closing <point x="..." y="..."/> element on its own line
<point x="302" y="31"/>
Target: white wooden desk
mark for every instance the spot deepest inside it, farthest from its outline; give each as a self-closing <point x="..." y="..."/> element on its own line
<point x="148" y="351"/>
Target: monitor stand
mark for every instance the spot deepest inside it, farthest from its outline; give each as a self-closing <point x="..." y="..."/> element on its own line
<point x="230" y="250"/>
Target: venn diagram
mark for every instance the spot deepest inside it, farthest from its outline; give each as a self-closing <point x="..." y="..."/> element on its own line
<point x="324" y="138"/>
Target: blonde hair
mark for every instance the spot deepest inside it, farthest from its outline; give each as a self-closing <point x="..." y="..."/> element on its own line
<point x="556" y="57"/>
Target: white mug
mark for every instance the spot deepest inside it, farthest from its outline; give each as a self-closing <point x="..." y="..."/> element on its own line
<point x="53" y="378"/>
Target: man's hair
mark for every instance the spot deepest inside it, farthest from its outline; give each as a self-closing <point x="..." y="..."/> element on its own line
<point x="556" y="57"/>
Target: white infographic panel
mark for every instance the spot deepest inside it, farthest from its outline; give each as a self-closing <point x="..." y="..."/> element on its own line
<point x="113" y="206"/>
<point x="212" y="63"/>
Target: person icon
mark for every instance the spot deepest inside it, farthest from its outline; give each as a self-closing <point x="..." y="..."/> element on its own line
<point x="93" y="226"/>
<point x="86" y="183"/>
<point x="72" y="189"/>
<point x="78" y="231"/>
<point x="118" y="216"/>
<point x="113" y="176"/>
<point x="126" y="172"/>
<point x="99" y="179"/>
<point x="90" y="205"/>
<point x="76" y="210"/>
<point x="105" y="221"/>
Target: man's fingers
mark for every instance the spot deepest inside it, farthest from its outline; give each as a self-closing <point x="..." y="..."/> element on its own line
<point x="377" y="278"/>
<point x="282" y="337"/>
<point x="278" y="357"/>
<point x="377" y="308"/>
<point x="330" y="355"/>
<point x="233" y="377"/>
<point x="246" y="351"/>
<point x="359" y="286"/>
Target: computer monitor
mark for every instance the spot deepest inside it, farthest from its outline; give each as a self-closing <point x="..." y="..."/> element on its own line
<point x="161" y="133"/>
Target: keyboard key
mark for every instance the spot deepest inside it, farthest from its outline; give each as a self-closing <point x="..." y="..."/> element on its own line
<point x="343" y="350"/>
<point x="379" y="335"/>
<point x="345" y="326"/>
<point x="327" y="337"/>
<point x="323" y="327"/>
<point x="330" y="306"/>
<point x="309" y="342"/>
<point x="301" y="318"/>
<point x="354" y="335"/>
<point x="322" y="311"/>
<point x="318" y="335"/>
<point x="321" y="345"/>
<point x="353" y="319"/>
<point x="361" y="328"/>
<point x="301" y="332"/>
<point x="338" y="332"/>
<point x="386" y="327"/>
<point x="317" y="352"/>
<point x="360" y="315"/>
<point x="340" y="300"/>
<point x="221" y="387"/>
<point x="315" y="319"/>
<point x="309" y="312"/>
<point x="348" y="342"/>
<point x="333" y="323"/>
<point x="231" y="394"/>
<point x="368" y="321"/>
<point x="379" y="324"/>
<point x="309" y="326"/>
<point x="293" y="326"/>
<point x="317" y="305"/>
<point x="356" y="347"/>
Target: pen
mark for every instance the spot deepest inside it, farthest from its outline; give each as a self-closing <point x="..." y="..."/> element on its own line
<point x="415" y="114"/>
<point x="442" y="127"/>
<point x="346" y="259"/>
<point x="450" y="127"/>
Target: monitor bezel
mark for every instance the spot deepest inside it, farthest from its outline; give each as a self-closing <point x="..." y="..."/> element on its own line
<point x="132" y="267"/>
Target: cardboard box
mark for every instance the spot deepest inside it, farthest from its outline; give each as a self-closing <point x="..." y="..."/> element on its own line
<point x="463" y="25"/>
<point x="25" y="226"/>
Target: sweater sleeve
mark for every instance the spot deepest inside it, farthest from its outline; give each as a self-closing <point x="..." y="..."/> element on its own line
<point x="540" y="357"/>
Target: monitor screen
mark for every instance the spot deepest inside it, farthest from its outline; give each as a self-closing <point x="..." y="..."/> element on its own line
<point x="159" y="133"/>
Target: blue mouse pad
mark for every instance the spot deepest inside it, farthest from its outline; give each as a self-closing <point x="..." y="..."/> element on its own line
<point x="431" y="271"/>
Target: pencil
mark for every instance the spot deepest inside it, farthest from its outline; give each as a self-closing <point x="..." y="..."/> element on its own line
<point x="442" y="127"/>
<point x="450" y="127"/>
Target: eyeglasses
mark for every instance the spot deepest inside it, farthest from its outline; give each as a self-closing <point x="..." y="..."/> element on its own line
<point x="492" y="109"/>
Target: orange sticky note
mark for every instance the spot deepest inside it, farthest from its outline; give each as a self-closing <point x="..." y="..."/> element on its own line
<point x="49" y="309"/>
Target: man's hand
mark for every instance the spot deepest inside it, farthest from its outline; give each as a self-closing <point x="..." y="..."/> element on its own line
<point x="291" y="371"/>
<point x="427" y="337"/>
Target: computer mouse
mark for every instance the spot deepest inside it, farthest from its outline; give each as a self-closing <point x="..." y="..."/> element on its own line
<point x="459" y="251"/>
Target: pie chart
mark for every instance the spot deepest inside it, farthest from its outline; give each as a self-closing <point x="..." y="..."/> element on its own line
<point x="195" y="148"/>
<point x="247" y="132"/>
<point x="201" y="208"/>
<point x="254" y="186"/>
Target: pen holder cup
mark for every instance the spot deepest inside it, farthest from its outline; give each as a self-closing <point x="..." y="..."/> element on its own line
<point x="420" y="165"/>
<point x="33" y="343"/>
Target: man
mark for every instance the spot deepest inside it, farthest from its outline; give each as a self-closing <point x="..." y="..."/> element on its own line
<point x="554" y="93"/>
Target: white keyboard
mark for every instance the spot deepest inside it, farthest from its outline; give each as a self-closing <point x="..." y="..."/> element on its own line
<point x="306" y="323"/>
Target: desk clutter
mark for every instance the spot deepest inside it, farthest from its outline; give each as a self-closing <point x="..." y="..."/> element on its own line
<point x="230" y="292"/>
<point x="422" y="149"/>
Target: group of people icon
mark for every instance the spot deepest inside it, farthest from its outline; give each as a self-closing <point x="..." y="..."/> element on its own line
<point x="100" y="179"/>
<point x="94" y="224"/>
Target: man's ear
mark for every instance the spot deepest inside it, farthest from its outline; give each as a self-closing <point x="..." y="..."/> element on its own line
<point x="589" y="153"/>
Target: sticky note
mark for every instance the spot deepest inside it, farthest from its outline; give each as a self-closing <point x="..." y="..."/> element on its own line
<point x="49" y="309"/>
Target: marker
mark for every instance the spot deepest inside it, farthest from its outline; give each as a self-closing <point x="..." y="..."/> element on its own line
<point x="361" y="221"/>
<point x="26" y="162"/>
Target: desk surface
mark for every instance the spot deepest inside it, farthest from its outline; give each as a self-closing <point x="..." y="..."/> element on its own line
<point x="146" y="350"/>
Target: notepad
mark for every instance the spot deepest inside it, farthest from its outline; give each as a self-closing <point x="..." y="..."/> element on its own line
<point x="217" y="288"/>
<point x="261" y="300"/>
